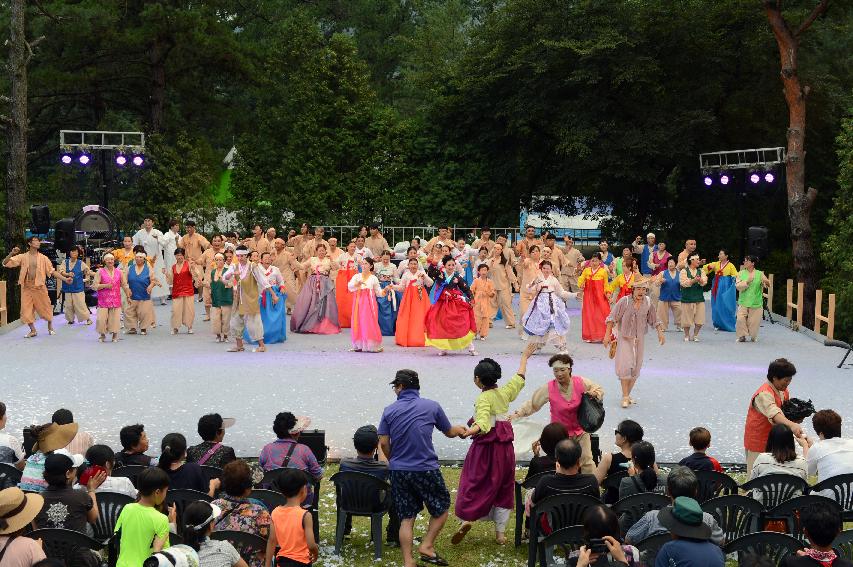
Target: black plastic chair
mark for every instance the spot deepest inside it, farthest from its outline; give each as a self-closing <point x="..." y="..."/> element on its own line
<point x="843" y="545"/>
<point x="736" y="515"/>
<point x="611" y="486"/>
<point x="773" y="489"/>
<point x="789" y="511"/>
<point x="270" y="498"/>
<point x="9" y="476"/>
<point x="131" y="472"/>
<point x="841" y="487"/>
<point x="772" y="545"/>
<point x="526" y="484"/>
<point x="247" y="545"/>
<point x="181" y="497"/>
<point x="65" y="545"/>
<point x="211" y="472"/>
<point x="562" y="511"/>
<point x="713" y="484"/>
<point x="110" y="505"/>
<point x="568" y="539"/>
<point x="268" y="482"/>
<point x="631" y="508"/>
<point x="650" y="546"/>
<point x="360" y="494"/>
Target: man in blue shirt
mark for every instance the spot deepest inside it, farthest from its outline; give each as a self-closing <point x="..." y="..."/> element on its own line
<point x="690" y="546"/>
<point x="405" y="436"/>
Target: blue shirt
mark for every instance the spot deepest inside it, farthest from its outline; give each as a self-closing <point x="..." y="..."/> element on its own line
<point x="409" y="423"/>
<point x="687" y="553"/>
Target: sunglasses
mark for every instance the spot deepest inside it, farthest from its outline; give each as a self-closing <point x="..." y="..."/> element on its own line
<point x="617" y="432"/>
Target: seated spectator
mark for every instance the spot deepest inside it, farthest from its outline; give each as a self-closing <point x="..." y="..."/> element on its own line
<point x="211" y="451"/>
<point x="101" y="458"/>
<point x="49" y="438"/>
<point x="627" y="433"/>
<point x="552" y="434"/>
<point x="17" y="512"/>
<point x="134" y="443"/>
<point x="11" y="450"/>
<point x="183" y="474"/>
<point x="601" y="532"/>
<point x="821" y="524"/>
<point x="198" y="520"/>
<point x="780" y="457"/>
<point x="681" y="481"/>
<point x="241" y="512"/>
<point x="643" y="475"/>
<point x="366" y="442"/>
<point x="700" y="440"/>
<point x="144" y="530"/>
<point x="690" y="546"/>
<point x="82" y="441"/>
<point x="286" y="451"/>
<point x="831" y="455"/>
<point x="567" y="477"/>
<point x="292" y="531"/>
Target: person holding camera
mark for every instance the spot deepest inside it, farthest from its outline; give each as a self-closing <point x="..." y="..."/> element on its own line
<point x="602" y="541"/>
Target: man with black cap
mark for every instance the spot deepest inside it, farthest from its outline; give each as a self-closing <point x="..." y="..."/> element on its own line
<point x="690" y="546"/>
<point x="405" y="435"/>
<point x="211" y="451"/>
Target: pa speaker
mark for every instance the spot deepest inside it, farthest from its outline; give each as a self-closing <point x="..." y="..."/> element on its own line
<point x="757" y="242"/>
<point x="64" y="236"/>
<point x="315" y="439"/>
<point x="40" y="215"/>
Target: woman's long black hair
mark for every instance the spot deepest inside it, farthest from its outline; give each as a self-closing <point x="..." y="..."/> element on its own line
<point x="173" y="447"/>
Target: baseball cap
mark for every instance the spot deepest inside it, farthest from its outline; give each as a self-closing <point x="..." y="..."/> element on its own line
<point x="406" y="378"/>
<point x="62" y="462"/>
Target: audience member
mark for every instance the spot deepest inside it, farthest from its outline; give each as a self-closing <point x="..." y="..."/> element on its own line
<point x="821" y="524"/>
<point x="211" y="451"/>
<point x="626" y="434"/>
<point x="11" y="450"/>
<point x="181" y="473"/>
<point x="102" y="459"/>
<point x="700" y="440"/>
<point x="831" y="455"/>
<point x="780" y="456"/>
<point x="143" y="529"/>
<point x="286" y="451"/>
<point x="197" y="521"/>
<point x="405" y="433"/>
<point x="17" y="512"/>
<point x="292" y="529"/>
<point x="241" y="512"/>
<point x="567" y="477"/>
<point x="681" y="481"/>
<point x="601" y="534"/>
<point x="49" y="438"/>
<point x="82" y="441"/>
<point x="65" y="507"/>
<point x="552" y="434"/>
<point x="690" y="546"/>
<point x="134" y="443"/>
<point x="643" y="473"/>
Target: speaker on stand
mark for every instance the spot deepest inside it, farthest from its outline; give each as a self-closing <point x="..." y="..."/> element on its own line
<point x="40" y="215"/>
<point x="757" y="242"/>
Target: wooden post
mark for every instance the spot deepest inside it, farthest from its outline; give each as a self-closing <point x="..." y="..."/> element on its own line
<point x="830" y="314"/>
<point x="798" y="306"/>
<point x="768" y="294"/>
<point x="3" y="310"/>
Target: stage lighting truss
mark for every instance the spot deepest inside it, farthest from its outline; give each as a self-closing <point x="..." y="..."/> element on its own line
<point x="79" y="147"/>
<point x="760" y="165"/>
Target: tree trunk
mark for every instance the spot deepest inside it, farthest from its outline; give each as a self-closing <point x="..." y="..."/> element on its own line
<point x="16" y="167"/>
<point x="158" y="51"/>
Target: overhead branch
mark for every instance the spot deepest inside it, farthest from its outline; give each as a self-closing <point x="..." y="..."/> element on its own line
<point x="45" y="13"/>
<point x="819" y="10"/>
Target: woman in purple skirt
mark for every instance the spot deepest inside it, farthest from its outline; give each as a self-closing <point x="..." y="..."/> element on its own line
<point x="486" y="487"/>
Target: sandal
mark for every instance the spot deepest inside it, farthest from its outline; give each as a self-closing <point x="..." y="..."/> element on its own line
<point x="236" y="349"/>
<point x="51" y="332"/>
<point x="31" y="334"/>
<point x="460" y="533"/>
<point x="626" y="401"/>
<point x="260" y="349"/>
<point x="434" y="559"/>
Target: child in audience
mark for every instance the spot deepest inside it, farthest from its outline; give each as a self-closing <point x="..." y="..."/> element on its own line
<point x="700" y="440"/>
<point x="292" y="526"/>
<point x="821" y="524"/>
<point x="143" y="529"/>
<point x="198" y="520"/>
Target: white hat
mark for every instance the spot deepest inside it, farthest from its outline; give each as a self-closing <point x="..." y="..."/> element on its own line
<point x="76" y="458"/>
<point x="175" y="556"/>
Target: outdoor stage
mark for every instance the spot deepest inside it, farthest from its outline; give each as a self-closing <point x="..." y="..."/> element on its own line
<point x="167" y="382"/>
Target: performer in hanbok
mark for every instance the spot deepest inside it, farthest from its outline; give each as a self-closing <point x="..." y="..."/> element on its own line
<point x="376" y="242"/>
<point x="221" y="299"/>
<point x="693" y="281"/>
<point x="388" y="304"/>
<point x="138" y="280"/>
<point x="361" y="250"/>
<point x="149" y="238"/>
<point x="503" y="276"/>
<point x="366" y="335"/>
<point x="668" y="283"/>
<point x="124" y="255"/>
<point x="249" y="283"/>
<point x="73" y="273"/>
<point x="658" y="259"/>
<point x="632" y="316"/>
<point x="449" y="323"/>
<point x="285" y="261"/>
<point x="645" y="251"/>
<point x="487" y="485"/>
<point x="35" y="268"/>
<point x="273" y="313"/>
<point x="347" y="268"/>
<point x="168" y="244"/>
<point x="108" y="285"/>
<point x="316" y="310"/>
<point x="462" y="254"/>
<point x="596" y="299"/>
<point x="618" y="262"/>
<point x="750" y="302"/>
<point x="621" y="286"/>
<point x="414" y="305"/>
<point x="207" y="261"/>
<point x="528" y="271"/>
<point x="483" y="291"/>
<point x="569" y="269"/>
<point x="546" y="319"/>
<point x="723" y="293"/>
<point x="184" y="277"/>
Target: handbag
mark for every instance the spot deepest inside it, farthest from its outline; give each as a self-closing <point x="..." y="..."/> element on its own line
<point x="590" y="413"/>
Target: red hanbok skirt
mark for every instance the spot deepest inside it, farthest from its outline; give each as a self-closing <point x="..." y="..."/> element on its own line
<point x="450" y="322"/>
<point x="595" y="310"/>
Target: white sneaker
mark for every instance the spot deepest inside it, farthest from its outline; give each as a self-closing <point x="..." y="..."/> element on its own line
<point x="473" y="352"/>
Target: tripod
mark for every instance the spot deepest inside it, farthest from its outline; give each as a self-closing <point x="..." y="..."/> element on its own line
<point x="840" y="344"/>
<point x="766" y="314"/>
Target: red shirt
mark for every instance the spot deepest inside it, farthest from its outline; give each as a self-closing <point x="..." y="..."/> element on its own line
<point x="182" y="282"/>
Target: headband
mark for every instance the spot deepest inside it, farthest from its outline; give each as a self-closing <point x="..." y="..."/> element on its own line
<point x="108" y="255"/>
<point x="241" y="252"/>
<point x="140" y="255"/>
<point x="560" y="364"/>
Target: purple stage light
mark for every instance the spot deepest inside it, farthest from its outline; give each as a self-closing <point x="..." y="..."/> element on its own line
<point x="84" y="159"/>
<point x="754" y="178"/>
<point x="138" y="160"/>
<point x="724" y="179"/>
<point x="769" y="177"/>
<point x="121" y="160"/>
<point x="66" y="159"/>
<point x="708" y="181"/>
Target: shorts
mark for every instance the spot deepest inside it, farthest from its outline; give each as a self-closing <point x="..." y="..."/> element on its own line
<point x="412" y="490"/>
<point x="288" y="562"/>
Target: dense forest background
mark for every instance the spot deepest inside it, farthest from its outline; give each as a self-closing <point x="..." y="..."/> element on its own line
<point x="429" y="111"/>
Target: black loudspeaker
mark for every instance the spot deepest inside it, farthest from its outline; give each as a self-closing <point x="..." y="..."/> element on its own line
<point x="64" y="236"/>
<point x="40" y="215"/>
<point x="315" y="439"/>
<point x="757" y="243"/>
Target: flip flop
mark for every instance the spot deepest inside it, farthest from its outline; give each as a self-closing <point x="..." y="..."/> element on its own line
<point x="460" y="534"/>
<point x="30" y="335"/>
<point x="235" y="349"/>
<point x="434" y="560"/>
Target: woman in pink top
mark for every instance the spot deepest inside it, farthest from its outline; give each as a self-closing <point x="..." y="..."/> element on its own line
<point x="108" y="285"/>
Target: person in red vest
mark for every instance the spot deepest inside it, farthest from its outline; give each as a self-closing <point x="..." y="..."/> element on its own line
<point x="765" y="409"/>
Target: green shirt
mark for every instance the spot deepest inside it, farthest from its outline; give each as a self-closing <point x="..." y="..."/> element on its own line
<point x="694" y="293"/>
<point x="619" y="266"/>
<point x="219" y="294"/>
<point x="751" y="297"/>
<point x="139" y="526"/>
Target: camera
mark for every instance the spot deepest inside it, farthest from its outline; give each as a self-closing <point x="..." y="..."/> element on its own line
<point x="596" y="545"/>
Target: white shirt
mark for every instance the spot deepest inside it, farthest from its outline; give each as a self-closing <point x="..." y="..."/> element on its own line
<point x="830" y="457"/>
<point x="169" y="242"/>
<point x="119" y="484"/>
<point x="11" y="450"/>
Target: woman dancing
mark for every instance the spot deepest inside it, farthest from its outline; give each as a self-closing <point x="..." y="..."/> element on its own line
<point x="547" y="319"/>
<point x="596" y="300"/>
<point x="450" y="323"/>
<point x="365" y="287"/>
<point x="413" y="307"/>
<point x="316" y="310"/>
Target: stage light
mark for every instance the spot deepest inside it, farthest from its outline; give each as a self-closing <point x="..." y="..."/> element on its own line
<point x="84" y="159"/>
<point x="724" y="179"/>
<point x="708" y="181"/>
<point x="66" y="159"/>
<point x="754" y="178"/>
<point x="769" y="177"/>
<point x="138" y="160"/>
<point x="121" y="160"/>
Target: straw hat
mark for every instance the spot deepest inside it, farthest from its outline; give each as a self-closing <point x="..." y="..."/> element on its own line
<point x="55" y="437"/>
<point x="18" y="509"/>
<point x="302" y="423"/>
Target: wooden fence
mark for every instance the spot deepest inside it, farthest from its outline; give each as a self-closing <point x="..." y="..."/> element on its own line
<point x="794" y="310"/>
<point x="4" y="313"/>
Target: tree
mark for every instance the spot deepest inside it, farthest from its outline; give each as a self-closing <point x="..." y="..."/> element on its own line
<point x="800" y="200"/>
